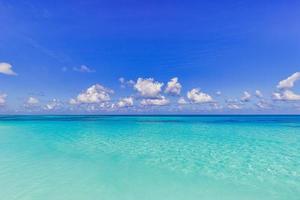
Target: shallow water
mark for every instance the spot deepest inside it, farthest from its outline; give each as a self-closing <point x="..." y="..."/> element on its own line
<point x="128" y="158"/>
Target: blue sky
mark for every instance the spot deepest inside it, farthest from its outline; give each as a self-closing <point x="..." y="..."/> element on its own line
<point x="225" y="50"/>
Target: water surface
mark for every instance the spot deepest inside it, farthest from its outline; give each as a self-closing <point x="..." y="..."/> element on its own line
<point x="151" y="158"/>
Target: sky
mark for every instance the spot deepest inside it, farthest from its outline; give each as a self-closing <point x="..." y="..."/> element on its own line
<point x="149" y="57"/>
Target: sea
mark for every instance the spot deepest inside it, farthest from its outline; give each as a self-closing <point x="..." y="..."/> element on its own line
<point x="208" y="157"/>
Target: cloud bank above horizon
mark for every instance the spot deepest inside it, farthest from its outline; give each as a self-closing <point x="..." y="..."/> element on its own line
<point x="148" y="95"/>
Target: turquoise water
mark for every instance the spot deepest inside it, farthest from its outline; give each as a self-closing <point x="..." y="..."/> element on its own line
<point x="128" y="158"/>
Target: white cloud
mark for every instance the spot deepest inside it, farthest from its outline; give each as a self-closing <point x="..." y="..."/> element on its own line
<point x="218" y="93"/>
<point x="83" y="69"/>
<point x="125" y="83"/>
<point x="173" y="86"/>
<point x="289" y="82"/>
<point x="246" y="96"/>
<point x="286" y="95"/>
<point x="215" y="106"/>
<point x="6" y="68"/>
<point x="234" y="106"/>
<point x="32" y="101"/>
<point x="130" y="82"/>
<point x="104" y="106"/>
<point x="125" y="102"/>
<point x="160" y="101"/>
<point x="2" y="99"/>
<point x="181" y="101"/>
<point x="122" y="80"/>
<point x="262" y="104"/>
<point x="196" y="96"/>
<point x="73" y="101"/>
<point x="92" y="108"/>
<point x="258" y="94"/>
<point x="94" y="94"/>
<point x="148" y="87"/>
<point x="276" y="96"/>
<point x="52" y="105"/>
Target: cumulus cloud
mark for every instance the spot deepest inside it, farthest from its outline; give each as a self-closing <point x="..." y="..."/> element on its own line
<point x="148" y="87"/>
<point x="246" y="96"/>
<point x="6" y="68"/>
<point x="160" y="101"/>
<point x="196" y="96"/>
<point x="173" y="87"/>
<point x="218" y="93"/>
<point x="32" y="101"/>
<point x="94" y="94"/>
<point x="258" y="94"/>
<point x="2" y="99"/>
<point x="83" y="69"/>
<point x="286" y="95"/>
<point x="289" y="82"/>
<point x="125" y="102"/>
<point x="181" y="101"/>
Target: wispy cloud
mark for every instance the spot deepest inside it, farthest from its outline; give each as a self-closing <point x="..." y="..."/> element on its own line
<point x="61" y="58"/>
<point x="81" y="69"/>
<point x="159" y="101"/>
<point x="84" y="69"/>
<point x="32" y="101"/>
<point x="246" y="97"/>
<point x="258" y="94"/>
<point x="2" y="99"/>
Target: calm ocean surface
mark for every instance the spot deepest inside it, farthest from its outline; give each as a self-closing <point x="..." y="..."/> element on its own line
<point x="149" y="158"/>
